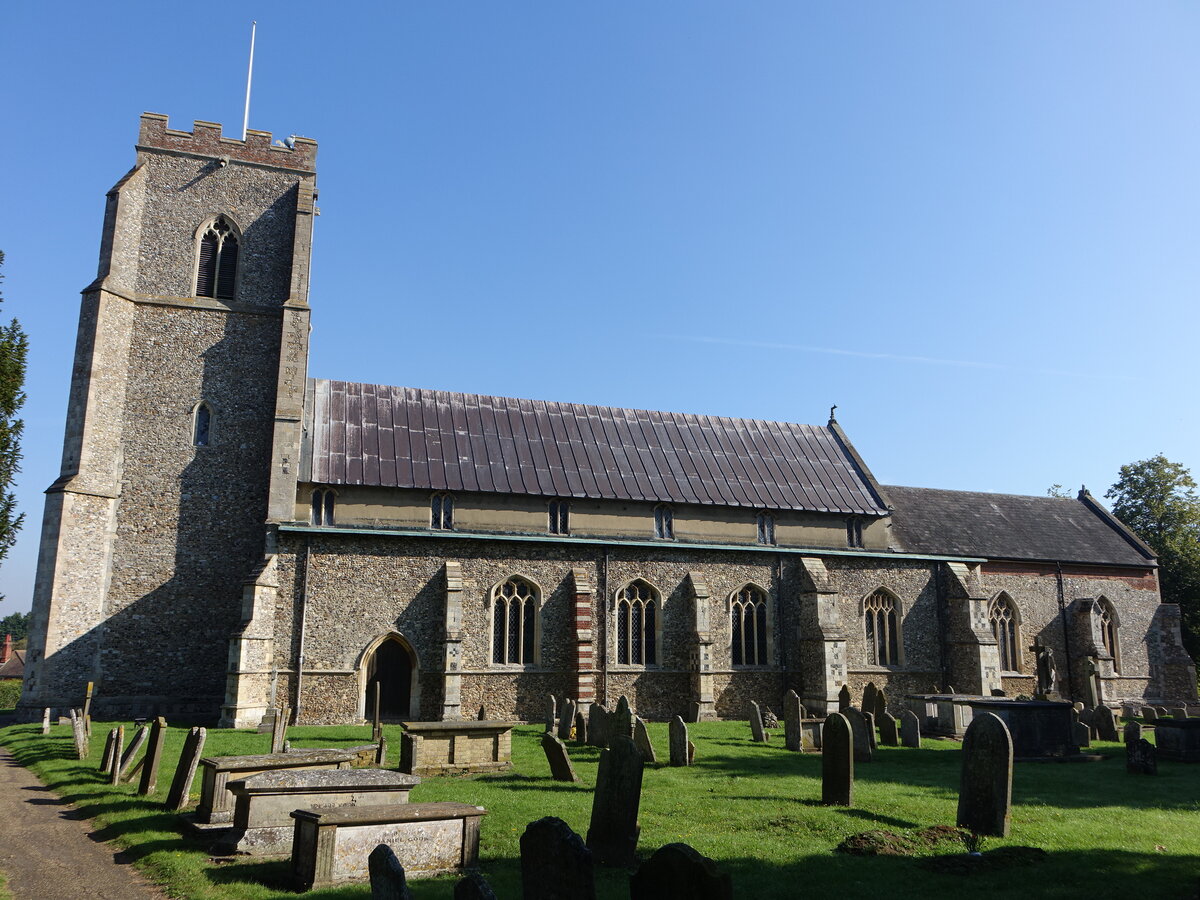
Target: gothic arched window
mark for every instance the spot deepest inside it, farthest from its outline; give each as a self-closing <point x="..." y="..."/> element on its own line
<point x="881" y="620"/>
<point x="1109" y="625"/>
<point x="202" y="425"/>
<point x="216" y="268"/>
<point x="637" y="624"/>
<point x="1003" y="615"/>
<point x="514" y="622"/>
<point x="748" y="626"/>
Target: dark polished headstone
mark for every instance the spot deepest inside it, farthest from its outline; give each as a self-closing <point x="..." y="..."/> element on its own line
<point x="555" y="864"/>
<point x="985" y="792"/>
<point x="679" y="872"/>
<point x="837" y="761"/>
<point x="387" y="875"/>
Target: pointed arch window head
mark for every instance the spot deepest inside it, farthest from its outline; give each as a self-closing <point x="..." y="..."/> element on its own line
<point x="441" y="512"/>
<point x="881" y="621"/>
<point x="202" y="425"/>
<point x="322" y="507"/>
<point x="664" y="522"/>
<point x="1002" y="613"/>
<point x="515" y="605"/>
<point x="1109" y="627"/>
<point x="217" y="263"/>
<point x="748" y="624"/>
<point x="638" y="623"/>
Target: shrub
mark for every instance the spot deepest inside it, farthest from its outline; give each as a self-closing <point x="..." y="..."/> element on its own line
<point x="10" y="693"/>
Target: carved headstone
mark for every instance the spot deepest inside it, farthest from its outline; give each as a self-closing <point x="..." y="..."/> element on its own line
<point x="114" y="766"/>
<point x="985" y="792"/>
<point x="598" y="727"/>
<point x="555" y="864"/>
<point x="621" y="721"/>
<point x="1150" y="714"/>
<point x="153" y="757"/>
<point x="881" y="704"/>
<point x="556" y="754"/>
<point x="109" y="743"/>
<point x="837" y="761"/>
<point x="185" y="771"/>
<point x="1141" y="757"/>
<point x="678" y="734"/>
<point x="757" y="733"/>
<point x="858" y="724"/>
<point x="888" y="734"/>
<point x="1104" y="724"/>
<point x="473" y="887"/>
<point x="135" y="745"/>
<point x="910" y="729"/>
<point x="679" y="872"/>
<point x="1133" y="732"/>
<point x="870" y="692"/>
<point x="641" y="737"/>
<point x="580" y="727"/>
<point x="793" y="727"/>
<point x="566" y="719"/>
<point x="844" y="700"/>
<point x="551" y="713"/>
<point x="387" y="875"/>
<point x="613" y="832"/>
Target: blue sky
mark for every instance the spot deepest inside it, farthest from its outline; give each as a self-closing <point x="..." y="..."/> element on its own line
<point x="971" y="226"/>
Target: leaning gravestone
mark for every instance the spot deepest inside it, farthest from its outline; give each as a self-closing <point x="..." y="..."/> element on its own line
<point x="473" y="887"/>
<point x="858" y="724"/>
<point x="135" y="745"/>
<point x="280" y="726"/>
<point x="80" y="735"/>
<point x="566" y="721"/>
<point x="555" y="864"/>
<point x="1132" y="732"/>
<point x="1104" y="724"/>
<point x="793" y="726"/>
<point x="556" y="754"/>
<point x="881" y="703"/>
<point x="985" y="792"/>
<point x="679" y="872"/>
<point x="1141" y="757"/>
<point x="613" y="833"/>
<point x="580" y="727"/>
<point x="837" y="761"/>
<point x="621" y="721"/>
<point x="387" y="875"/>
<point x="153" y="757"/>
<point x="598" y="728"/>
<point x="551" y="713"/>
<point x="114" y="766"/>
<point x="185" y="771"/>
<point x="1150" y="714"/>
<point x="109" y="743"/>
<point x="888" y="735"/>
<point x="844" y="700"/>
<point x="870" y="717"/>
<point x="679" y="742"/>
<point x="757" y="733"/>
<point x="1163" y="712"/>
<point x="910" y="729"/>
<point x="641" y="737"/>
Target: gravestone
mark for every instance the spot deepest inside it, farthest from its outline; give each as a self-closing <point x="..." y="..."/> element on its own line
<point x="566" y="720"/>
<point x="86" y="714"/>
<point x="693" y="711"/>
<point x="888" y="735"/>
<point x="387" y="875"/>
<point x="556" y="754"/>
<point x="870" y="718"/>
<point x="679" y="872"/>
<point x="837" y="761"/>
<point x="598" y="728"/>
<point x="80" y="736"/>
<point x="1163" y="712"/>
<point x="114" y="766"/>
<point x="1179" y="713"/>
<point x="555" y="864"/>
<point x="858" y="724"/>
<point x="621" y="721"/>
<point x="1141" y="757"/>
<point x="280" y="726"/>
<point x="1132" y="733"/>
<point x="580" y="727"/>
<point x="793" y="728"/>
<point x="135" y="745"/>
<point x="691" y="754"/>
<point x="641" y="737"/>
<point x="678" y="734"/>
<point x="1104" y="724"/>
<point x="1150" y="714"/>
<point x="376" y="718"/>
<point x="153" y="757"/>
<point x="769" y="719"/>
<point x="985" y="792"/>
<point x="1079" y="707"/>
<point x="185" y="771"/>
<point x="287" y="747"/>
<point x="551" y="713"/>
<point x="844" y="701"/>
<point x="881" y="704"/>
<point x="46" y="720"/>
<point x="757" y="734"/>
<point x="381" y="752"/>
<point x="870" y="692"/>
<point x="109" y="743"/>
<point x="1081" y="731"/>
<point x="910" y="729"/>
<point x="613" y="832"/>
<point x="473" y="887"/>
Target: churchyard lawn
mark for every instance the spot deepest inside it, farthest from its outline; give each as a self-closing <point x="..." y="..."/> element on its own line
<point x="754" y="808"/>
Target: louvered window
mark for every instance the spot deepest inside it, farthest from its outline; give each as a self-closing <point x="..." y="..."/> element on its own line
<point x="514" y="623"/>
<point x="216" y="269"/>
<point x="748" y="622"/>
<point x="637" y="625"/>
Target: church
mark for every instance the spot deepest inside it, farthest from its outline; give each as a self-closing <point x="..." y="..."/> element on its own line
<point x="228" y="535"/>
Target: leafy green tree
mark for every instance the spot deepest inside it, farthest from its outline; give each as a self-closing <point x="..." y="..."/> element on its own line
<point x="14" y="347"/>
<point x="1157" y="499"/>
<point x="16" y="624"/>
<point x="1058" y="492"/>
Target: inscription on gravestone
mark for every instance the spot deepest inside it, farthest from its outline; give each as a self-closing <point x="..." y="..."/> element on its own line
<point x="837" y="761"/>
<point x="613" y="833"/>
<point x="985" y="791"/>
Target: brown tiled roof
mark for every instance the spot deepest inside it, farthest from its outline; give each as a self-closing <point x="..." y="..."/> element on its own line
<point x="436" y="440"/>
<point x="14" y="667"/>
<point x="1008" y="526"/>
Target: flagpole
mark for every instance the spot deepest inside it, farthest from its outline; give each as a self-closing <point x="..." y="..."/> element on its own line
<point x="249" y="76"/>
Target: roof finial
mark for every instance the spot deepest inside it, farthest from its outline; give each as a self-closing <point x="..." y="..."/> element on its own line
<point x="832" y="417"/>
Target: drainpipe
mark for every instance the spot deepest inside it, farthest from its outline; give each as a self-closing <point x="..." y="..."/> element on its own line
<point x="1062" y="614"/>
<point x="602" y="631"/>
<point x="303" y="623"/>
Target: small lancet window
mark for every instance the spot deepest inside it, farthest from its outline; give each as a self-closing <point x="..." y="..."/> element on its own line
<point x="441" y="512"/>
<point x="322" y="507"/>
<point x="664" y="523"/>
<point x="216" y="268"/>
<point x="766" y="528"/>
<point x="560" y="517"/>
<point x="202" y="425"/>
<point x="854" y="537"/>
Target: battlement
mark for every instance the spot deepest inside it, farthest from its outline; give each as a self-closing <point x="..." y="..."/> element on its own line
<point x="205" y="140"/>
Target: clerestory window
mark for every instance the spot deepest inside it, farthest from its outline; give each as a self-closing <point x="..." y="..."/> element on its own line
<point x="441" y="512"/>
<point x="216" y="268"/>
<point x="321" y="512"/>
<point x="664" y="523"/>
<point x="766" y="528"/>
<point x="560" y="517"/>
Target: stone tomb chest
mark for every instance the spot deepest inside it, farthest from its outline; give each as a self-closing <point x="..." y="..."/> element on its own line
<point x="1178" y="739"/>
<point x="332" y="845"/>
<point x="216" y="800"/>
<point x="947" y="715"/>
<point x="435" y="748"/>
<point x="1040" y="729"/>
<point x="262" y="814"/>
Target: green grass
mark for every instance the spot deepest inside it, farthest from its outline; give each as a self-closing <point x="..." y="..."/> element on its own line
<point x="752" y="807"/>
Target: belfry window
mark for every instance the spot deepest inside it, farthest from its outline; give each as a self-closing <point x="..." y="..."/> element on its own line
<point x="560" y="517"/>
<point x="664" y="522"/>
<point x="748" y="626"/>
<point x="882" y="629"/>
<point x="202" y="425"/>
<point x="441" y="511"/>
<point x="1003" y="615"/>
<point x="322" y="507"/>
<point x="637" y="625"/>
<point x="216" y="268"/>
<point x="514" y="623"/>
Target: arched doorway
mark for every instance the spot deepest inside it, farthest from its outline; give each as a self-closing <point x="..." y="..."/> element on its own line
<point x="390" y="671"/>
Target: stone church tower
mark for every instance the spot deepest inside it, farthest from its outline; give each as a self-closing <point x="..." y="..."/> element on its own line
<point x="183" y="424"/>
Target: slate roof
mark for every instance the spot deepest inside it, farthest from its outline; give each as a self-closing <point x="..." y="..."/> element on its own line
<point x="437" y="440"/>
<point x="1007" y="526"/>
<point x="14" y="666"/>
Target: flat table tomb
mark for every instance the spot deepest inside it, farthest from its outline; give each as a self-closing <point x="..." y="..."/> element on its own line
<point x="216" y="800"/>
<point x="470" y="745"/>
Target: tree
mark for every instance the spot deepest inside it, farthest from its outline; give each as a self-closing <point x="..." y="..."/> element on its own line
<point x="14" y="347"/>
<point x="16" y="624"/>
<point x="1058" y="492"/>
<point x="1157" y="499"/>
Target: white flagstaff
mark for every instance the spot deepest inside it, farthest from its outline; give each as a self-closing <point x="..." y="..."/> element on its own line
<point x="249" y="76"/>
